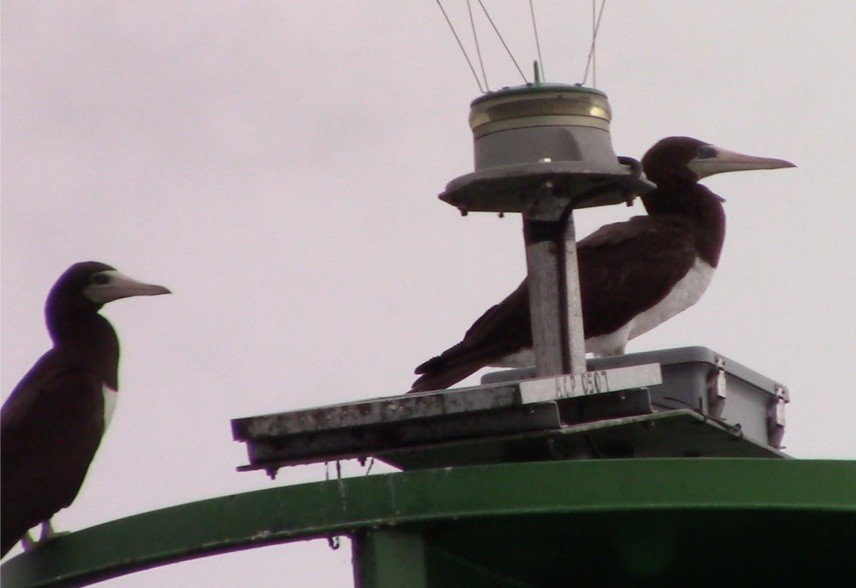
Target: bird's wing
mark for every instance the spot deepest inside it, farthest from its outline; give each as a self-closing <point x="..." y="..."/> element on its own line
<point x="496" y="334"/>
<point x="29" y="389"/>
<point x="644" y="256"/>
<point x="45" y="454"/>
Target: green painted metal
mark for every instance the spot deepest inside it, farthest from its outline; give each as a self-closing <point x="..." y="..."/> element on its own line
<point x="517" y="521"/>
<point x="389" y="559"/>
<point x="386" y="558"/>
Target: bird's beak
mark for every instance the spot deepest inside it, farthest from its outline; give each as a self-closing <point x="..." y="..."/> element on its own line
<point x="117" y="285"/>
<point x="722" y="160"/>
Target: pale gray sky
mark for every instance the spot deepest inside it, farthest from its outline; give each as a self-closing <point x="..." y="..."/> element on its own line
<point x="277" y="165"/>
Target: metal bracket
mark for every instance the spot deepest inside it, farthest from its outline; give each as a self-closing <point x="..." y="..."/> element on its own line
<point x="776" y="416"/>
<point x="717" y="388"/>
<point x="509" y="188"/>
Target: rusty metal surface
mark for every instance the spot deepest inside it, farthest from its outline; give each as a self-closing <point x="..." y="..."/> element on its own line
<point x="364" y="428"/>
<point x="441" y="403"/>
<point x="376" y="411"/>
<point x="362" y="442"/>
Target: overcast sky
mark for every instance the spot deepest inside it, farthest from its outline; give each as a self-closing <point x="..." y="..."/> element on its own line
<point x="276" y="164"/>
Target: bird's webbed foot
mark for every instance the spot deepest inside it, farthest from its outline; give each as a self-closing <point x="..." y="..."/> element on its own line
<point x="46" y="534"/>
<point x="27" y="542"/>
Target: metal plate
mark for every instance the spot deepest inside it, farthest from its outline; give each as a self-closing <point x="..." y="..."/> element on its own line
<point x="363" y="428"/>
<point x="680" y="433"/>
<point x="510" y="188"/>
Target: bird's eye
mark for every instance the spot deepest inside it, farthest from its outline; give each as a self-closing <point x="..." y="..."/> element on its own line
<point x="100" y="279"/>
<point x="706" y="151"/>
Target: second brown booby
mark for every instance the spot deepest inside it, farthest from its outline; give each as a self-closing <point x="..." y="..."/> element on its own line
<point x="634" y="275"/>
<point x="53" y="421"/>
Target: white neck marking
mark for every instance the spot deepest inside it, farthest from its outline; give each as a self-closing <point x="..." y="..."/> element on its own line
<point x="110" y="398"/>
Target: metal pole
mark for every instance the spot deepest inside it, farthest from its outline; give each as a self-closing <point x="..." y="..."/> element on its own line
<point x="554" y="292"/>
<point x="573" y="301"/>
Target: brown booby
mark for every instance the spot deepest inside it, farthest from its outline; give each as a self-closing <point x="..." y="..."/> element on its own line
<point x="634" y="275"/>
<point x="55" y="417"/>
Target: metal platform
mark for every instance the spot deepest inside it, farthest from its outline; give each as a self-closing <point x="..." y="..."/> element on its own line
<point x="599" y="414"/>
<point x="677" y="433"/>
<point x="511" y="188"/>
<point x="371" y="427"/>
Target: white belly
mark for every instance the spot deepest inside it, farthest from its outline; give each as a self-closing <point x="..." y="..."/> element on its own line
<point x="685" y="293"/>
<point x="110" y="398"/>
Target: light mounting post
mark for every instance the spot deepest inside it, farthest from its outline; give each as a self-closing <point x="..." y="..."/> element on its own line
<point x="544" y="150"/>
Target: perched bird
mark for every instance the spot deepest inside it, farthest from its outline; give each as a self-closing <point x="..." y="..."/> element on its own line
<point x="634" y="275"/>
<point x="55" y="417"/>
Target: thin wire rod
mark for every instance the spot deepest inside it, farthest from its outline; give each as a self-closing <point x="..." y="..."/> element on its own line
<point x="478" y="48"/>
<point x="593" y="46"/>
<point x="595" y="29"/>
<point x="461" y="45"/>
<point x="507" y="50"/>
<point x="537" y="40"/>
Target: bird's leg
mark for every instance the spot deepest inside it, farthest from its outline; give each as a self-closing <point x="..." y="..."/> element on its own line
<point x="619" y="350"/>
<point x="27" y="542"/>
<point x="47" y="531"/>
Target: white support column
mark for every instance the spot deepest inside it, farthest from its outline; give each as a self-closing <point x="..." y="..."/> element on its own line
<point x="554" y="292"/>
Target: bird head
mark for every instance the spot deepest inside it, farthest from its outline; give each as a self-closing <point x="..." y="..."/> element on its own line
<point x="93" y="284"/>
<point x="687" y="160"/>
